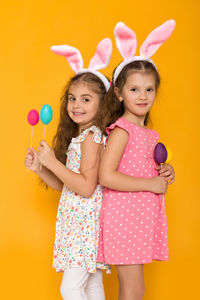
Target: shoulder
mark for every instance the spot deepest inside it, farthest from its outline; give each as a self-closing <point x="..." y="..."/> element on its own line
<point x="91" y="147"/>
<point x="92" y="133"/>
<point x="154" y="135"/>
<point x="121" y="125"/>
<point x="118" y="137"/>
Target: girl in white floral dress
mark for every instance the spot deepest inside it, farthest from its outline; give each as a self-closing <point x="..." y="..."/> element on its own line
<point x="71" y="166"/>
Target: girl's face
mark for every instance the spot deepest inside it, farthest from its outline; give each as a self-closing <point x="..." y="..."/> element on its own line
<point x="138" y="95"/>
<point x="83" y="104"/>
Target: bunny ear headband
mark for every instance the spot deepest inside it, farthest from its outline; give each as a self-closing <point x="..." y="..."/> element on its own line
<point x="100" y="60"/>
<point x="126" y="43"/>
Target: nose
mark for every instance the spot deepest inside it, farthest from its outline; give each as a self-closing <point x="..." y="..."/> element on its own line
<point x="76" y="104"/>
<point x="142" y="95"/>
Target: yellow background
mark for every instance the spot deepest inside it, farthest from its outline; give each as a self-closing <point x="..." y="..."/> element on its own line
<point x="31" y="76"/>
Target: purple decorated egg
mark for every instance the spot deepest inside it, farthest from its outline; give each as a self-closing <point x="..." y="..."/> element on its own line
<point x="160" y="153"/>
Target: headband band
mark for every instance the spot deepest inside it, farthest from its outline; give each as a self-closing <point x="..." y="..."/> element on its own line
<point x="103" y="78"/>
<point x="126" y="62"/>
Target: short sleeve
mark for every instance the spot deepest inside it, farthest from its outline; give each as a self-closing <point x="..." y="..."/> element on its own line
<point x="97" y="136"/>
<point x="121" y="123"/>
<point x="155" y="136"/>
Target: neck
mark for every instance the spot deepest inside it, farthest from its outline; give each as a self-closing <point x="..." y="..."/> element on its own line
<point x="81" y="128"/>
<point x="138" y="120"/>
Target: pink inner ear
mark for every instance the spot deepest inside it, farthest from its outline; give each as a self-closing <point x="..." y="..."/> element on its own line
<point x="156" y="38"/>
<point x="72" y="55"/>
<point x="102" y="56"/>
<point x="125" y="40"/>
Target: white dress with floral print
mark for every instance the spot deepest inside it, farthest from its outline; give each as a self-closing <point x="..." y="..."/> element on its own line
<point x="77" y="223"/>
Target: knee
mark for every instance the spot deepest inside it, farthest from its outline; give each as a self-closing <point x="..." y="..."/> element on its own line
<point x="139" y="292"/>
<point x="131" y="290"/>
<point x="132" y="293"/>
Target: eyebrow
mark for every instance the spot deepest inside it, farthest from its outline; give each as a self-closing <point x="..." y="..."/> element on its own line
<point x="83" y="95"/>
<point x="136" y="86"/>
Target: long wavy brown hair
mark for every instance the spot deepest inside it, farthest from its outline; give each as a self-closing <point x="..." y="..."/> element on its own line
<point x="67" y="129"/>
<point x="116" y="108"/>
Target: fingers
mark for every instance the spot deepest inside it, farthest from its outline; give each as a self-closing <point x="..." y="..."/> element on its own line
<point x="44" y="147"/>
<point x="28" y="161"/>
<point x="41" y="149"/>
<point x="34" y="151"/>
<point x="165" y="173"/>
<point x="170" y="180"/>
<point x="30" y="151"/>
<point x="44" y="144"/>
<point x="29" y="157"/>
<point x="168" y="173"/>
<point x="42" y="152"/>
<point x="168" y="176"/>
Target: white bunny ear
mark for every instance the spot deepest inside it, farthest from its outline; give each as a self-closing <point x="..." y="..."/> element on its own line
<point x="156" y="38"/>
<point x="102" y="56"/>
<point x="126" y="41"/>
<point x="72" y="55"/>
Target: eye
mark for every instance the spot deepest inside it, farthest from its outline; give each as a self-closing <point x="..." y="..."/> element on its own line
<point x="71" y="98"/>
<point x="134" y="89"/>
<point x="150" y="90"/>
<point x="85" y="99"/>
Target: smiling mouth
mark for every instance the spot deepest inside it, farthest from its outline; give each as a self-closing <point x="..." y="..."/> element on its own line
<point x="78" y="113"/>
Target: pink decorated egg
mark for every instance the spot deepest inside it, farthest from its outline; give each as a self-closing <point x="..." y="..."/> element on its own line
<point x="33" y="117"/>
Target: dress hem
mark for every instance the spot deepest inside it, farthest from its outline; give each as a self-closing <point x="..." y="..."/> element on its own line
<point x="106" y="268"/>
<point x="137" y="262"/>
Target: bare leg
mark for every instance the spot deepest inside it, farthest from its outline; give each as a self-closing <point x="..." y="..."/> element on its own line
<point x="131" y="282"/>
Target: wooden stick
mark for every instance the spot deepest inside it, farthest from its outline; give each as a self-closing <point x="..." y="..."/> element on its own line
<point x="31" y="136"/>
<point x="44" y="131"/>
<point x="43" y="139"/>
<point x="163" y="196"/>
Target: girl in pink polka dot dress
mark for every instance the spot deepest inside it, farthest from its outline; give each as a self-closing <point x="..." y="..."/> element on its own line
<point x="133" y="227"/>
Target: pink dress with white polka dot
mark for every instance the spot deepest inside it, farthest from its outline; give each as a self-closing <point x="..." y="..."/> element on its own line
<point x="133" y="229"/>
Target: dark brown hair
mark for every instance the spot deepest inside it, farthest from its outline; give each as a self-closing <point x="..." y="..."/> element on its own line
<point x="116" y="108"/>
<point x="67" y="129"/>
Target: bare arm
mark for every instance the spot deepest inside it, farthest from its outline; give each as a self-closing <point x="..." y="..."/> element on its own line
<point x="32" y="163"/>
<point x="50" y="179"/>
<point x="84" y="183"/>
<point x="111" y="178"/>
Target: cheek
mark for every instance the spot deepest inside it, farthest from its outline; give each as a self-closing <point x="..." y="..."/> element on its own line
<point x="95" y="107"/>
<point x="152" y="102"/>
<point x="153" y="98"/>
<point x="131" y="99"/>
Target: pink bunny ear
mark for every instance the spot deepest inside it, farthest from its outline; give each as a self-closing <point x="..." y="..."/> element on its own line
<point x="125" y="40"/>
<point x="72" y="55"/>
<point x="156" y="38"/>
<point x="102" y="56"/>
